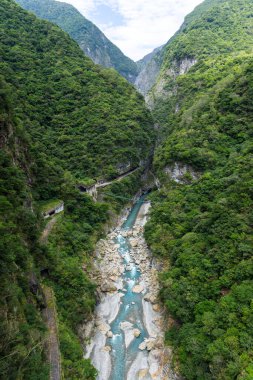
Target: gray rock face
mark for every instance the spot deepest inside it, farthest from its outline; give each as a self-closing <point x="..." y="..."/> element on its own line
<point x="147" y="77"/>
<point x="181" y="67"/>
<point x="186" y="65"/>
<point x="150" y="67"/>
<point x="159" y="88"/>
<point x="182" y="173"/>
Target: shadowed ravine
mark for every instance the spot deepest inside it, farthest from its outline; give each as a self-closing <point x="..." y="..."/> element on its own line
<point x="128" y="339"/>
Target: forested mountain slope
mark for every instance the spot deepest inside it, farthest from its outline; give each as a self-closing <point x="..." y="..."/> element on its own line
<point x="88" y="36"/>
<point x="87" y="118"/>
<point x="201" y="224"/>
<point x="63" y="120"/>
<point x="21" y="325"/>
<point x="214" y="28"/>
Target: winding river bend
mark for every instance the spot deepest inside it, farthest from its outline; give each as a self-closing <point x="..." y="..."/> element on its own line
<point x="127" y="332"/>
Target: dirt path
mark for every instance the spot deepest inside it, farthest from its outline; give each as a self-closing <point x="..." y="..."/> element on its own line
<point x="47" y="230"/>
<point x="53" y="351"/>
<point x="50" y="318"/>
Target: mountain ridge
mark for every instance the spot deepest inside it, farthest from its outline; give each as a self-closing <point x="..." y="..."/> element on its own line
<point x="88" y="36"/>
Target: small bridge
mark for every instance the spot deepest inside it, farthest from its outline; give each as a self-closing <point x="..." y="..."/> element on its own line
<point x="92" y="190"/>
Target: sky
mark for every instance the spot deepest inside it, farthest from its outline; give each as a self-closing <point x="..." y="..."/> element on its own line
<point x="136" y="26"/>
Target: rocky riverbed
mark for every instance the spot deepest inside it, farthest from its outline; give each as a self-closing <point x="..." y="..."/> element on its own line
<point x="127" y="333"/>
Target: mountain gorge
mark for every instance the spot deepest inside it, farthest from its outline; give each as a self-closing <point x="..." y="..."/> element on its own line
<point x="64" y="121"/>
<point x="203" y="33"/>
<point x="67" y="125"/>
<point x="90" y="39"/>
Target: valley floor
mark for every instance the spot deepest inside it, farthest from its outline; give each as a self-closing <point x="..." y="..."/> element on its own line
<point x="128" y="328"/>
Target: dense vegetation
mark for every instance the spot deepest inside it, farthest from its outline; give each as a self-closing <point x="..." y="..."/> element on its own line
<point x="215" y="27"/>
<point x="21" y="326"/>
<point x="202" y="229"/>
<point x="87" y="118"/>
<point x="68" y="262"/>
<point x="63" y="120"/>
<point x="90" y="39"/>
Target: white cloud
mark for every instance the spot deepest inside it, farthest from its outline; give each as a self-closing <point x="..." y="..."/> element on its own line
<point x="147" y="23"/>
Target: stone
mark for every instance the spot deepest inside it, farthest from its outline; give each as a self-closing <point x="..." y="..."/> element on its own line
<point x="143" y="346"/>
<point x="138" y="289"/>
<point x="159" y="343"/>
<point x="156" y="308"/>
<point x="107" y="349"/>
<point x="134" y="243"/>
<point x="109" y="334"/>
<point x="153" y="299"/>
<point x="149" y="297"/>
<point x="98" y="322"/>
<point x="126" y="325"/>
<point x="142" y="373"/>
<point x="108" y="287"/>
<point x="104" y="328"/>
<point x="150" y="344"/>
<point x="137" y="333"/>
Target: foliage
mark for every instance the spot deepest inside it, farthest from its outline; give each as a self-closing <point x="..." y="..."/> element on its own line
<point x="75" y="367"/>
<point x="62" y="119"/>
<point x="203" y="229"/>
<point x="21" y="327"/>
<point x="68" y="259"/>
<point x="207" y="130"/>
<point x="120" y="193"/>
<point x="90" y="39"/>
<point x="70" y="247"/>
<point x="216" y="29"/>
<point x="85" y="118"/>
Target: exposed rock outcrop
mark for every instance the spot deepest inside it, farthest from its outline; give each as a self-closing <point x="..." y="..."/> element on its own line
<point x="182" y="173"/>
<point x="175" y="69"/>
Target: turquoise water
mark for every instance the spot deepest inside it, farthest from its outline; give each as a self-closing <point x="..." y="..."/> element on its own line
<point x="131" y="307"/>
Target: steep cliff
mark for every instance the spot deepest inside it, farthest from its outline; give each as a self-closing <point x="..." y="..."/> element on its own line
<point x="149" y="68"/>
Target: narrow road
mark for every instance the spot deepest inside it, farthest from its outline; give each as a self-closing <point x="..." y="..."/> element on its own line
<point x="53" y="350"/>
<point x="116" y="179"/>
<point x="47" y="230"/>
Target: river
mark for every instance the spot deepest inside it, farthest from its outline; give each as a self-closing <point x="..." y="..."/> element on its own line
<point x="127" y="333"/>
